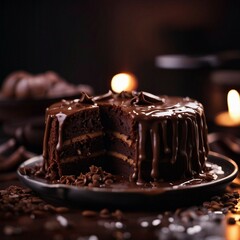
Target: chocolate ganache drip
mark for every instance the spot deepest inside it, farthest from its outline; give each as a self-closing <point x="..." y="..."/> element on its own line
<point x="172" y="133"/>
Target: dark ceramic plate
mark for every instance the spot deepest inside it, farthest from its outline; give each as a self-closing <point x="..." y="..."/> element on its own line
<point x="133" y="197"/>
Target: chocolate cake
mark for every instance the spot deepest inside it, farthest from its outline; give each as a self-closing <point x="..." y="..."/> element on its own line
<point x="137" y="135"/>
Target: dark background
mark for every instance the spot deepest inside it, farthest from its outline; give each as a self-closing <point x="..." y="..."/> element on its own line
<point x="90" y="41"/>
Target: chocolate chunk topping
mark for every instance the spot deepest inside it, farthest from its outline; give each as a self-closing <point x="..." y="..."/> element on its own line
<point x="85" y="99"/>
<point x="144" y="98"/>
<point x="106" y="96"/>
<point x="126" y="95"/>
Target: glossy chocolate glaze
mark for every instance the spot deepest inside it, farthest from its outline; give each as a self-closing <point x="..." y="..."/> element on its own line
<point x="181" y="122"/>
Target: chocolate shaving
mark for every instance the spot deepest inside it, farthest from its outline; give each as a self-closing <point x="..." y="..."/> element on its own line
<point x="106" y="96"/>
<point x="126" y="94"/>
<point x="85" y="99"/>
<point x="145" y="98"/>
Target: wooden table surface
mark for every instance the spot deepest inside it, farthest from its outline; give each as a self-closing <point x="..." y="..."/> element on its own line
<point x="191" y="222"/>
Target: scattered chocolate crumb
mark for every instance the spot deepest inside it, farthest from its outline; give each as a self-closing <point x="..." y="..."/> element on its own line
<point x="96" y="177"/>
<point x="118" y="214"/>
<point x="32" y="171"/>
<point x="231" y="221"/>
<point x="104" y="214"/>
<point x="224" y="203"/>
<point x="52" y="225"/>
<point x="16" y="201"/>
<point x="25" y="205"/>
<point x="61" y="209"/>
<point x="89" y="213"/>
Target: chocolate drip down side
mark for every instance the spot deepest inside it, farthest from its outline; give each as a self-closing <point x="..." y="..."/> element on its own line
<point x="60" y="117"/>
<point x="174" y="141"/>
<point x="45" y="143"/>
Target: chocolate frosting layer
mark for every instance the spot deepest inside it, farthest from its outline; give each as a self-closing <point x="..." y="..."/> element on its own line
<point x="176" y="126"/>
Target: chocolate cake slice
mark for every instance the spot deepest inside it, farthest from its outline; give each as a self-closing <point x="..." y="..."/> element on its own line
<point x="120" y="133"/>
<point x="73" y="137"/>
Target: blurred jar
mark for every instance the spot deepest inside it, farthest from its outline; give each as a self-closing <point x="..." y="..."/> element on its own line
<point x="187" y="75"/>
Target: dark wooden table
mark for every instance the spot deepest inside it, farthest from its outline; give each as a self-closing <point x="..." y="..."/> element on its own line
<point x="201" y="221"/>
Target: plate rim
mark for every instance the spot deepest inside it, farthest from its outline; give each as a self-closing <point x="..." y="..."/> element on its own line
<point x="145" y="191"/>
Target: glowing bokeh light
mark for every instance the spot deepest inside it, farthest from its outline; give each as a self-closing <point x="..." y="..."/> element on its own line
<point x="123" y="82"/>
<point x="233" y="101"/>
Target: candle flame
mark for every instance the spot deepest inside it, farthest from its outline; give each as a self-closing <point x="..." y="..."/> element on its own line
<point x="233" y="101"/>
<point x="123" y="82"/>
